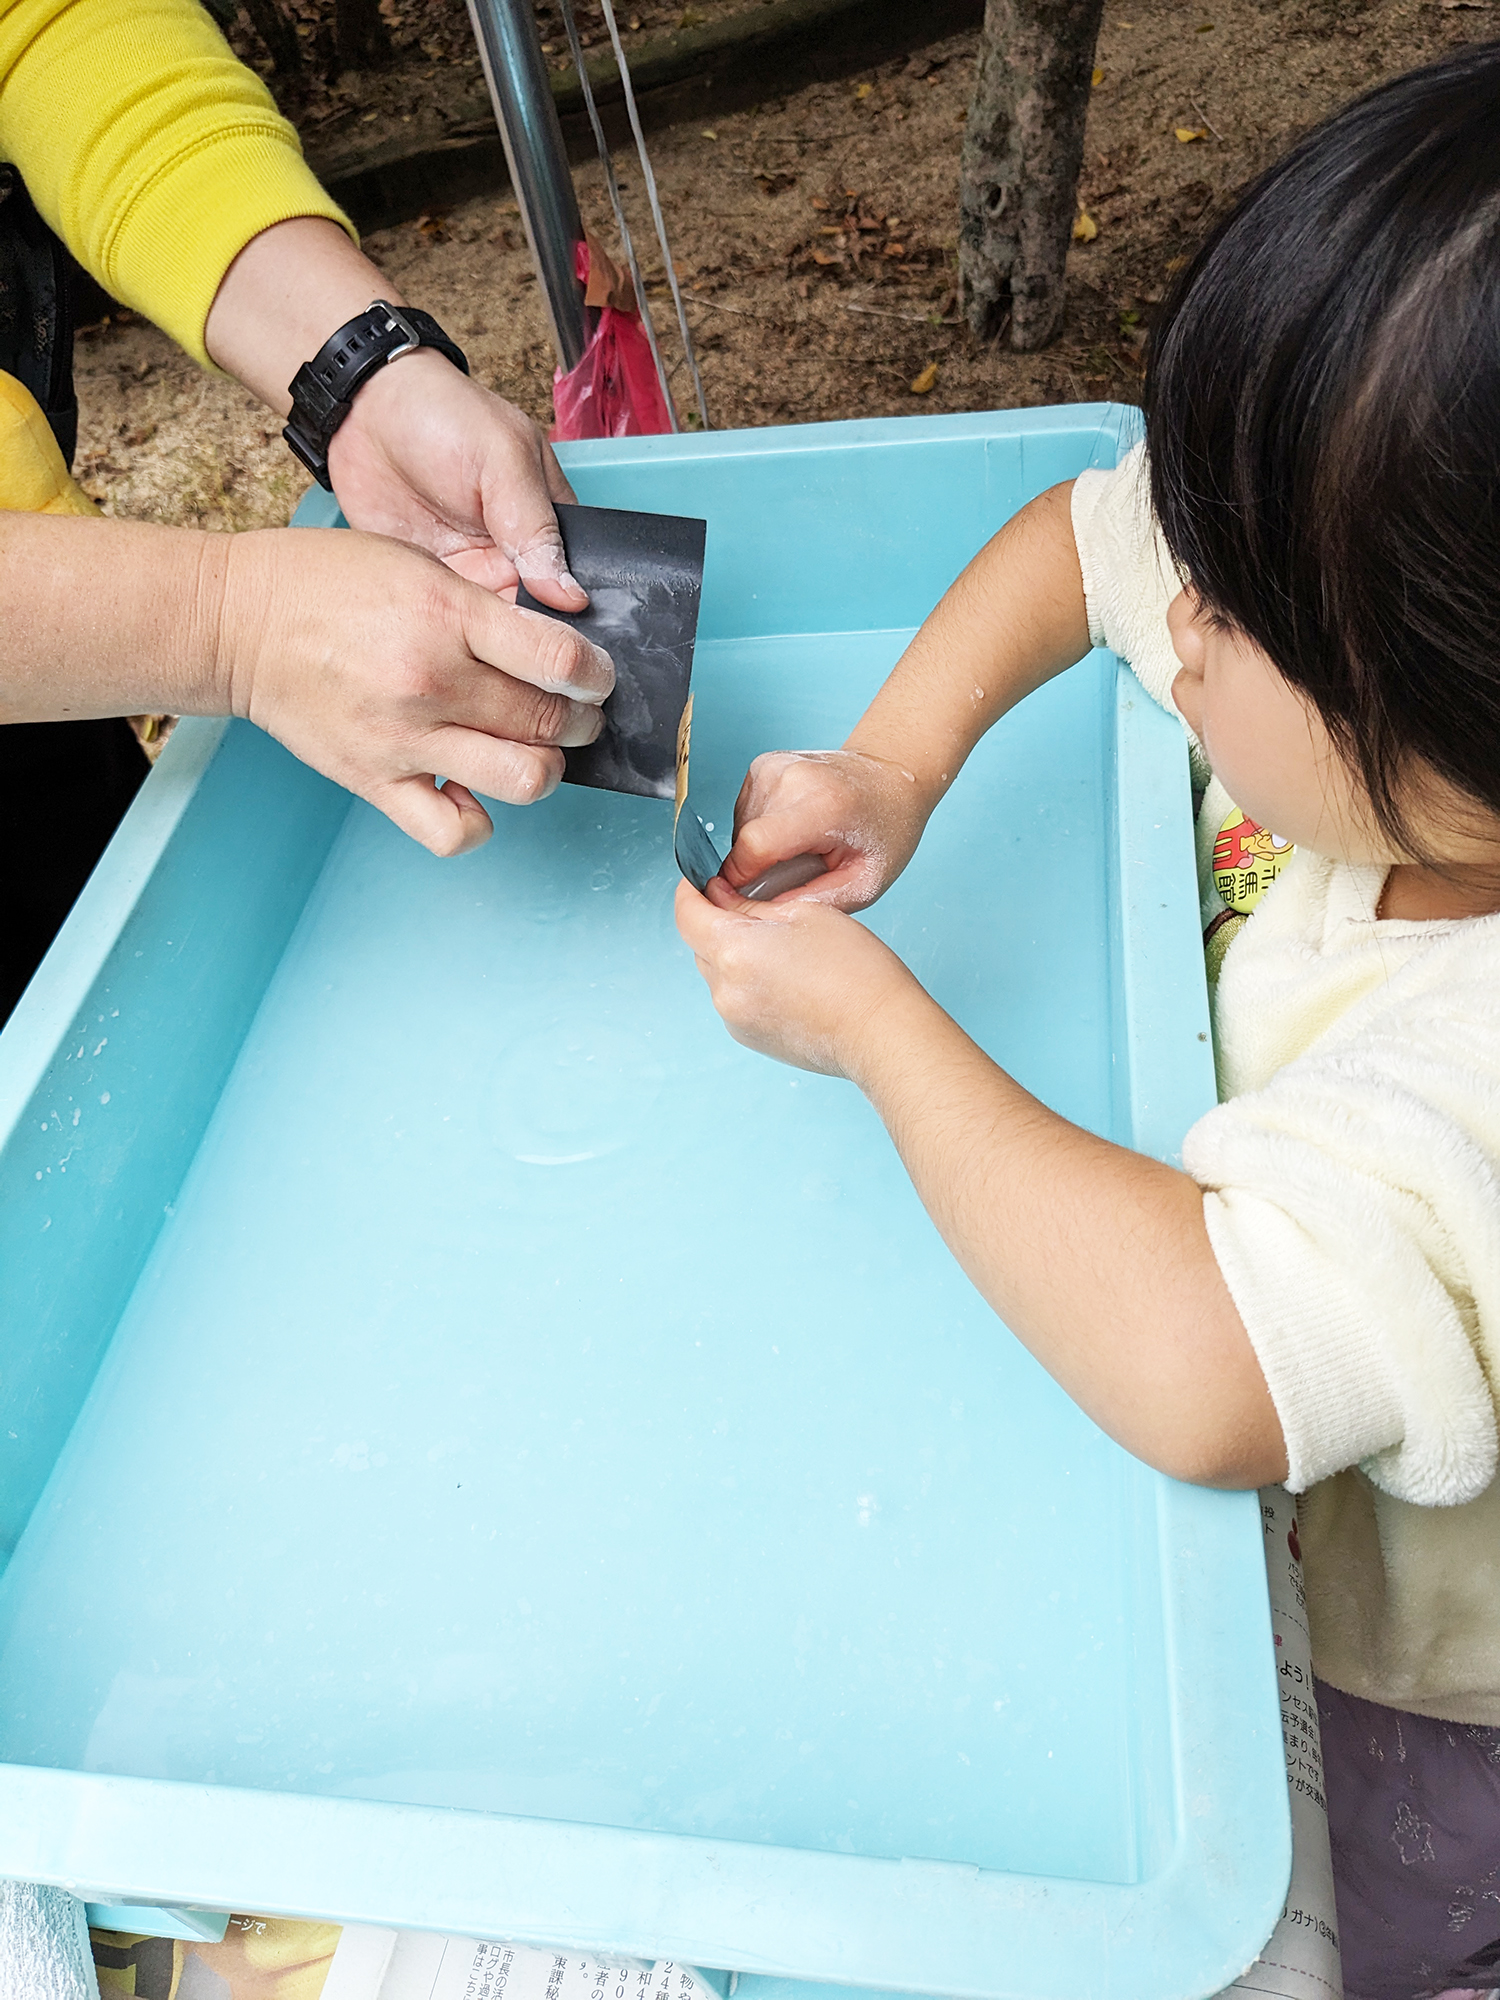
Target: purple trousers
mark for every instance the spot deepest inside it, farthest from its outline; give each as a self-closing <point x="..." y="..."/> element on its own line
<point x="1414" y="1818"/>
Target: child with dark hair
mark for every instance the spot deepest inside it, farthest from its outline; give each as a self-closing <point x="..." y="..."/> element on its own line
<point x="1303" y="563"/>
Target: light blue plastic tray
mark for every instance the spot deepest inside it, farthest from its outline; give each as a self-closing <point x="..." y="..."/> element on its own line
<point x="480" y="1450"/>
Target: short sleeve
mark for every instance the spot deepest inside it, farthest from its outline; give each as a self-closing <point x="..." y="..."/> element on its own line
<point x="1353" y="1205"/>
<point x="1129" y="578"/>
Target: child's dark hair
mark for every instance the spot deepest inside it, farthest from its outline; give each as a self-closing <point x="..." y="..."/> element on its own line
<point x="1323" y="425"/>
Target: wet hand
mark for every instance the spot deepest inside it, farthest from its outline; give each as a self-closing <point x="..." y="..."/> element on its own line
<point x="794" y="979"/>
<point x="428" y="456"/>
<point x="864" y="815"/>
<point x="383" y="668"/>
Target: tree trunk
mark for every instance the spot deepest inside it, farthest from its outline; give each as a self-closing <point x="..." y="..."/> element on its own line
<point x="1023" y="146"/>
<point x="361" y="39"/>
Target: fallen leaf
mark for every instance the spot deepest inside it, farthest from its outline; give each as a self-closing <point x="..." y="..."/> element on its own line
<point x="1097" y="78"/>
<point x="921" y="384"/>
<point x="1085" y="229"/>
<point x="771" y="182"/>
<point x="862" y="90"/>
<point x="710" y="135"/>
<point x="818" y="202"/>
<point x="1186" y="134"/>
<point x="895" y="250"/>
<point x="1177" y="263"/>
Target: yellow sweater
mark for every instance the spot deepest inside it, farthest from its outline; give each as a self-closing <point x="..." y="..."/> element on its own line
<point x="155" y="156"/>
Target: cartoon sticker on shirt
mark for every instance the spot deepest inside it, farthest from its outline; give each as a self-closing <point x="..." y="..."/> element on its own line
<point x="1247" y="860"/>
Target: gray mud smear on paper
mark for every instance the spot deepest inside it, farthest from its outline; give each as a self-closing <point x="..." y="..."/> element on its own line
<point x="644" y="576"/>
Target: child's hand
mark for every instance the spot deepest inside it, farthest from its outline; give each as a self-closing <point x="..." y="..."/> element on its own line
<point x="799" y="982"/>
<point x="864" y="815"/>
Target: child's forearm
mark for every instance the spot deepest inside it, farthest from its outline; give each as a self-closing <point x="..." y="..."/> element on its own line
<point x="1096" y="1257"/>
<point x="1014" y="619"/>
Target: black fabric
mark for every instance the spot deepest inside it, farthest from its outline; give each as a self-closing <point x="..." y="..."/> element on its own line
<point x="64" y="787"/>
<point x="36" y="318"/>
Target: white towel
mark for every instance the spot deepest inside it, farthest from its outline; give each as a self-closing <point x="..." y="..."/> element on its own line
<point x="44" y="1945"/>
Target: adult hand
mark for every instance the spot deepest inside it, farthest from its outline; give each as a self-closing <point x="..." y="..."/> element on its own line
<point x="425" y="454"/>
<point x="429" y="456"/>
<point x="377" y="664"/>
<point x="863" y="814"/>
<point x="803" y="983"/>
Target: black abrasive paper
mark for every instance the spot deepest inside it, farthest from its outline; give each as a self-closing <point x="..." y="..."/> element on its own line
<point x="644" y="577"/>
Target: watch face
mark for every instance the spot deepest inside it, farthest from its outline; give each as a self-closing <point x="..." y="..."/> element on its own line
<point x="644" y="577"/>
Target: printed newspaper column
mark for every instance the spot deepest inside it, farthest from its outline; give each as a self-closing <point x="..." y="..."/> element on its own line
<point x="432" y="1967"/>
<point x="1301" y="1957"/>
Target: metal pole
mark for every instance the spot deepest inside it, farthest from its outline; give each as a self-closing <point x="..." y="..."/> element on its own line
<point x="520" y="90"/>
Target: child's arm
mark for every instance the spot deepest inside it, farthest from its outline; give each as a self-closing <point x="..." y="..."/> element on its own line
<point x="1013" y="620"/>
<point x="1096" y="1257"/>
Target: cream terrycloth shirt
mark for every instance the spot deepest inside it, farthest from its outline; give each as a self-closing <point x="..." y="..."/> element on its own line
<point x="1351" y="1177"/>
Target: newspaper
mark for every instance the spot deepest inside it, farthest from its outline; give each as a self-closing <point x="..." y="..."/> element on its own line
<point x="1301" y="1957"/>
<point x="275" y="1958"/>
<point x="447" y="1968"/>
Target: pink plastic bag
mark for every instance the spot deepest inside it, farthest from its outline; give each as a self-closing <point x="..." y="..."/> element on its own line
<point x="614" y="390"/>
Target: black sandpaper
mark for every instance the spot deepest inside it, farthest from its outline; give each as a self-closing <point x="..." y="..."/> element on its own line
<point x="644" y="577"/>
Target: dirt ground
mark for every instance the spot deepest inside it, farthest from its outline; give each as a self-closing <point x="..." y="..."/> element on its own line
<point x="433" y="88"/>
<point x="816" y="239"/>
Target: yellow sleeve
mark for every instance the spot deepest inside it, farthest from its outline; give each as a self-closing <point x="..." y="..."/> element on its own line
<point x="152" y="152"/>
<point x="33" y="477"/>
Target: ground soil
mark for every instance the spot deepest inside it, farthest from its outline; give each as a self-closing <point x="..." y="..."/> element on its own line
<point x="433" y="88"/>
<point x="816" y="240"/>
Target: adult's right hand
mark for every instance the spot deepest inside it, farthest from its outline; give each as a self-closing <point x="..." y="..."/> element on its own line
<point x="381" y="667"/>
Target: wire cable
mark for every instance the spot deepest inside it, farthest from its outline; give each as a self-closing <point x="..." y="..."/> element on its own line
<point x="656" y="215"/>
<point x="615" y="202"/>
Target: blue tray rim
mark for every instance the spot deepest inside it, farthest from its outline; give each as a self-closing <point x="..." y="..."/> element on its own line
<point x="674" y="1894"/>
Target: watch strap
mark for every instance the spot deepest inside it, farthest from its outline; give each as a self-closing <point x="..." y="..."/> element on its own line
<point x="323" y="389"/>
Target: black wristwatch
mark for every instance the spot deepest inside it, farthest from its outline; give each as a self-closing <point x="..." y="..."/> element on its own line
<point x="323" y="389"/>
